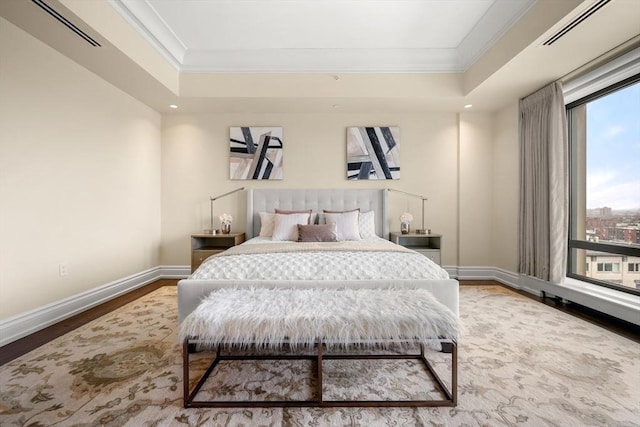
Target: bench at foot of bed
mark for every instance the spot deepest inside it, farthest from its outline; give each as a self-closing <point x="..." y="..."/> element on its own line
<point x="345" y="319"/>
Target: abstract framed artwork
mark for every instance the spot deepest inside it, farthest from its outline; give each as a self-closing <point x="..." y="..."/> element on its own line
<point x="373" y="152"/>
<point x="255" y="152"/>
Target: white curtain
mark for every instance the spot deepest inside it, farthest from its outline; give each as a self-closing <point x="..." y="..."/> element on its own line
<point x="543" y="185"/>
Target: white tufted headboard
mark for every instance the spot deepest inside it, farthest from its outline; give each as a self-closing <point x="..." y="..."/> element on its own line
<point x="266" y="200"/>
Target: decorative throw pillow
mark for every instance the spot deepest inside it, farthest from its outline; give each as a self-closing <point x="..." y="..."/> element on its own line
<point x="367" y="224"/>
<point x="322" y="219"/>
<point x="286" y="226"/>
<point x="346" y="224"/>
<point x="267" y="222"/>
<point x="317" y="233"/>
<point x="288" y="212"/>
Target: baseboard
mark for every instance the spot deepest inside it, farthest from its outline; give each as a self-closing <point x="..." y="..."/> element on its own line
<point x="32" y="321"/>
<point x="475" y="273"/>
<point x="620" y="305"/>
<point x="617" y="304"/>
<point x="492" y="273"/>
<point x="174" y="271"/>
<point x="516" y="281"/>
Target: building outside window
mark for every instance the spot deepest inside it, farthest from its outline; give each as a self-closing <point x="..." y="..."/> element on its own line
<point x="604" y="135"/>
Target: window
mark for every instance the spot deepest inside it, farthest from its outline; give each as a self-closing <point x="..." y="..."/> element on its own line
<point x="608" y="266"/>
<point x="604" y="137"/>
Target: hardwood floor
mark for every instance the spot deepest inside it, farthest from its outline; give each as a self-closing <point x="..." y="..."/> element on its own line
<point x="30" y="342"/>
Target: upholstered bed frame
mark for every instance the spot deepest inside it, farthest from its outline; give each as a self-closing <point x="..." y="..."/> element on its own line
<point x="191" y="292"/>
<point x="316" y="199"/>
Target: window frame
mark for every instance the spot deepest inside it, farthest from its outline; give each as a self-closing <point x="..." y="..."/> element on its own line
<point x="573" y="167"/>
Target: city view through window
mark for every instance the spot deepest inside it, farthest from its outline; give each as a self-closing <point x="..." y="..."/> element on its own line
<point x="611" y="189"/>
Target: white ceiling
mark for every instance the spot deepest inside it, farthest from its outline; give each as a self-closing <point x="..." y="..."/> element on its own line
<point x="322" y="35"/>
<point x="330" y="56"/>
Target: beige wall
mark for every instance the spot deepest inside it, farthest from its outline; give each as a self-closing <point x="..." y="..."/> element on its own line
<point x="195" y="166"/>
<point x="79" y="177"/>
<point x="505" y="184"/>
<point x="475" y="191"/>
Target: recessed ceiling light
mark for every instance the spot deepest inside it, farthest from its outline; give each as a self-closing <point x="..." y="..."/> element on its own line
<point x="173" y="106"/>
<point x="468" y="106"/>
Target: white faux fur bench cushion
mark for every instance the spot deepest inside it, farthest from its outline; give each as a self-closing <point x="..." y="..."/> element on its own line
<point x="272" y="317"/>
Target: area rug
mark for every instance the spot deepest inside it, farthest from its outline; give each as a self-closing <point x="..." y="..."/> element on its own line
<point x="521" y="363"/>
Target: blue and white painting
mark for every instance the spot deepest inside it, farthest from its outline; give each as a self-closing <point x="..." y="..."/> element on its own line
<point x="373" y="152"/>
<point x="255" y="152"/>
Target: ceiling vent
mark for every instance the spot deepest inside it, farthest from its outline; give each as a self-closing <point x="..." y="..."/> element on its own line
<point x="574" y="23"/>
<point x="64" y="21"/>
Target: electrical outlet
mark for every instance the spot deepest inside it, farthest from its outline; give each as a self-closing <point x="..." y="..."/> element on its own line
<point x="63" y="269"/>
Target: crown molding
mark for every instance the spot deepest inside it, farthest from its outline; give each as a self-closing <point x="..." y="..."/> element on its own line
<point x="322" y="60"/>
<point x="484" y="34"/>
<point x="144" y="19"/>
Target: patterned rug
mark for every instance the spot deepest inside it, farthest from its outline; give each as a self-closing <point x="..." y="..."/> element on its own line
<point x="521" y="363"/>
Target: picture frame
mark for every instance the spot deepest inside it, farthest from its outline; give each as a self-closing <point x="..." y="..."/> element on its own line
<point x="373" y="152"/>
<point x="255" y="153"/>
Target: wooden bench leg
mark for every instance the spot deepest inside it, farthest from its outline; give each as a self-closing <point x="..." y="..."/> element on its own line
<point x="185" y="374"/>
<point x="187" y="394"/>
<point x="319" y="371"/>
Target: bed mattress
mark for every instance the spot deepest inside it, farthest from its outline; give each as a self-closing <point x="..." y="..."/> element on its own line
<point x="262" y="259"/>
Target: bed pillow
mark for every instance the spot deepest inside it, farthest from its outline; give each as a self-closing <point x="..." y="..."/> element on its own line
<point x="312" y="216"/>
<point x="322" y="219"/>
<point x="367" y="224"/>
<point x="317" y="233"/>
<point x="286" y="226"/>
<point x="267" y="222"/>
<point x="347" y="227"/>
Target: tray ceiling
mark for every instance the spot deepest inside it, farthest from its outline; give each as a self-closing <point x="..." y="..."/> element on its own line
<point x="322" y="35"/>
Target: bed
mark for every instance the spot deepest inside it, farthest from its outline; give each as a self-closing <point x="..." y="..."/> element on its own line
<point x="318" y="271"/>
<point x="257" y="267"/>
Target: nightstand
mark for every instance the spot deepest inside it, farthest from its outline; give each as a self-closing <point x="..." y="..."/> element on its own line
<point x="205" y="245"/>
<point x="428" y="245"/>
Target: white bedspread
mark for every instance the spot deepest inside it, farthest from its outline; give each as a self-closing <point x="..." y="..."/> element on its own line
<point x="368" y="259"/>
